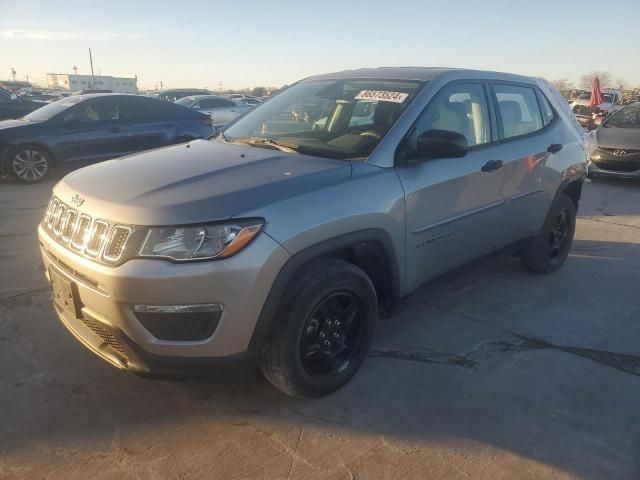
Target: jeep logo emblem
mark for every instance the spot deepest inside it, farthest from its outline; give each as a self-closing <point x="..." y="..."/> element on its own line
<point x="620" y="153"/>
<point x="77" y="200"/>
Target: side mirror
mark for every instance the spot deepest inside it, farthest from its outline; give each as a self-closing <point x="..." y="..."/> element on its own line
<point x="442" y="144"/>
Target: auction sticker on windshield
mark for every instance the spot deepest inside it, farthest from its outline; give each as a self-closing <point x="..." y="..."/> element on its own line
<point x="382" y="96"/>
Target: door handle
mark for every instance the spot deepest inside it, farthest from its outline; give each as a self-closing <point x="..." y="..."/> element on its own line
<point x="554" y="148"/>
<point x="116" y="130"/>
<point x="492" y="165"/>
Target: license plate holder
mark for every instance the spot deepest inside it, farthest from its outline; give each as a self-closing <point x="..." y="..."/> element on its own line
<point x="63" y="292"/>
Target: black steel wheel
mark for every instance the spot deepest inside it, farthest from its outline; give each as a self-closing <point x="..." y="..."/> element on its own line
<point x="322" y="331"/>
<point x="559" y="234"/>
<point x="548" y="251"/>
<point x="331" y="334"/>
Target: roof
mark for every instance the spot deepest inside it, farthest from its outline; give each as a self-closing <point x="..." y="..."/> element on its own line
<point x="197" y="97"/>
<point x="396" y="73"/>
<point x="422" y="74"/>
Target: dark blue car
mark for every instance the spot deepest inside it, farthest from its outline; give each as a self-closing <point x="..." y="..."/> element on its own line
<point x="93" y="128"/>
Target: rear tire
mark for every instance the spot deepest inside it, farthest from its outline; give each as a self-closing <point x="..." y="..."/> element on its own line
<point x="549" y="250"/>
<point x="28" y="164"/>
<point x="323" y="330"/>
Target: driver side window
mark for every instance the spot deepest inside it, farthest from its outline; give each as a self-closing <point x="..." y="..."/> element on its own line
<point x="460" y="108"/>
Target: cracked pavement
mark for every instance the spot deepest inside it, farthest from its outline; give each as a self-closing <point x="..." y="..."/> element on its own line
<point x="495" y="374"/>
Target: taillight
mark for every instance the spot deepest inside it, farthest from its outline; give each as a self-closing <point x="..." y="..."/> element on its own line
<point x="206" y="120"/>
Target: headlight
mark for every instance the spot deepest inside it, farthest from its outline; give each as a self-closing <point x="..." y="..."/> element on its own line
<point x="200" y="242"/>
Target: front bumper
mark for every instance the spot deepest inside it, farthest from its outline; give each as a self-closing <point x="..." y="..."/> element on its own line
<point x="593" y="170"/>
<point x="106" y="323"/>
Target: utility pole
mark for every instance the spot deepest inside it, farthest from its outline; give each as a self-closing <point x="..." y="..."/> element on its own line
<point x="13" y="72"/>
<point x="161" y="85"/>
<point x="220" y="86"/>
<point x="93" y="80"/>
<point x="75" y="70"/>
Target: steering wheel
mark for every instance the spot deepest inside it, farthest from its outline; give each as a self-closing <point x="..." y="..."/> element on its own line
<point x="370" y="133"/>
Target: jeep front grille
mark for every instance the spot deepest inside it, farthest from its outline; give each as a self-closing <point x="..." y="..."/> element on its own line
<point x="92" y="237"/>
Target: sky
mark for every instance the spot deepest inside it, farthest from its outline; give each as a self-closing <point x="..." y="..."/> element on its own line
<point x="272" y="43"/>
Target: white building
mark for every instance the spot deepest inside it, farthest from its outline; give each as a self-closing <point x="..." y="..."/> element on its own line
<point x="76" y="83"/>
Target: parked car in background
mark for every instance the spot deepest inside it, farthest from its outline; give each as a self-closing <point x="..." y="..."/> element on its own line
<point x="221" y="109"/>
<point x="14" y="106"/>
<point x="177" y="93"/>
<point x="629" y="99"/>
<point x="93" y="128"/>
<point x="280" y="248"/>
<point x="610" y="104"/>
<point x="250" y="101"/>
<point x="613" y="150"/>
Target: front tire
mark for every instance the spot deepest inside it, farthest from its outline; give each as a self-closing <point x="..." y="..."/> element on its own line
<point x="323" y="330"/>
<point x="28" y="164"/>
<point x="550" y="249"/>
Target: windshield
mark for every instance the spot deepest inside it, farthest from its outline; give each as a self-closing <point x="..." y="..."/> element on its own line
<point x="332" y="118"/>
<point x="628" y="117"/>
<point x="52" y="109"/>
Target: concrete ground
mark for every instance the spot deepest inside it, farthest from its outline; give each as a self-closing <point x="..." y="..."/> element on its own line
<point x="497" y="374"/>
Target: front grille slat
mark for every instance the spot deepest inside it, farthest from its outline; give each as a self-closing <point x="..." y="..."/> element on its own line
<point x="117" y="241"/>
<point x="69" y="223"/>
<point x="97" y="238"/>
<point x="92" y="237"/>
<point x="79" y="237"/>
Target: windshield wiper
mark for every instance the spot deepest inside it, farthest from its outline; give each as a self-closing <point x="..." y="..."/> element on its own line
<point x="270" y="143"/>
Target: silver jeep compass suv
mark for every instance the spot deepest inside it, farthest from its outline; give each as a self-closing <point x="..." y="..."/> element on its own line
<point x="279" y="242"/>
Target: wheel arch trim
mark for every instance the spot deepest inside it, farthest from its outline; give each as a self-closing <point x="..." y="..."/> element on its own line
<point x="298" y="260"/>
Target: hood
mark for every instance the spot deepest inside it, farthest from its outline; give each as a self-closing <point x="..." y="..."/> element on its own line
<point x="196" y="182"/>
<point x="614" y="137"/>
<point x="602" y="106"/>
<point x="7" y="124"/>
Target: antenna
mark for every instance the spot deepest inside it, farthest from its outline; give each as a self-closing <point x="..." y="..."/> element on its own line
<point x="93" y="80"/>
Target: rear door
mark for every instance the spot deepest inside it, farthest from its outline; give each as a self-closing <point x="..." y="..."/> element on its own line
<point x="455" y="207"/>
<point x="149" y="123"/>
<point x="90" y="130"/>
<point x="527" y="127"/>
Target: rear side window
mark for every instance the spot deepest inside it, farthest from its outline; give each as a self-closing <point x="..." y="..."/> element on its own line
<point x="519" y="110"/>
<point x="146" y="109"/>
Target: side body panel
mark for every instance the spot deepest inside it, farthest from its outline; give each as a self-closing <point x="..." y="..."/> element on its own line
<point x="455" y="212"/>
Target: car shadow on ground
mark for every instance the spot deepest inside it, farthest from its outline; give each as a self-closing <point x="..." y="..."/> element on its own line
<point x="495" y="360"/>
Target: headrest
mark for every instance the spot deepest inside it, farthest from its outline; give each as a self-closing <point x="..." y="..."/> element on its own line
<point x="386" y="114"/>
<point x="511" y="111"/>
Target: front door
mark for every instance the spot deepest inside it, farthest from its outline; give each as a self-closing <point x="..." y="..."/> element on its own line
<point x="90" y="130"/>
<point x="455" y="207"/>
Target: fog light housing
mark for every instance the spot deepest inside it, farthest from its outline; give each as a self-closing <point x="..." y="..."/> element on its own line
<point x="180" y="323"/>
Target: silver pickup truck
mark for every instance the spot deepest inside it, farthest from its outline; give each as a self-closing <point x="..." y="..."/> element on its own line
<point x="281" y="249"/>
